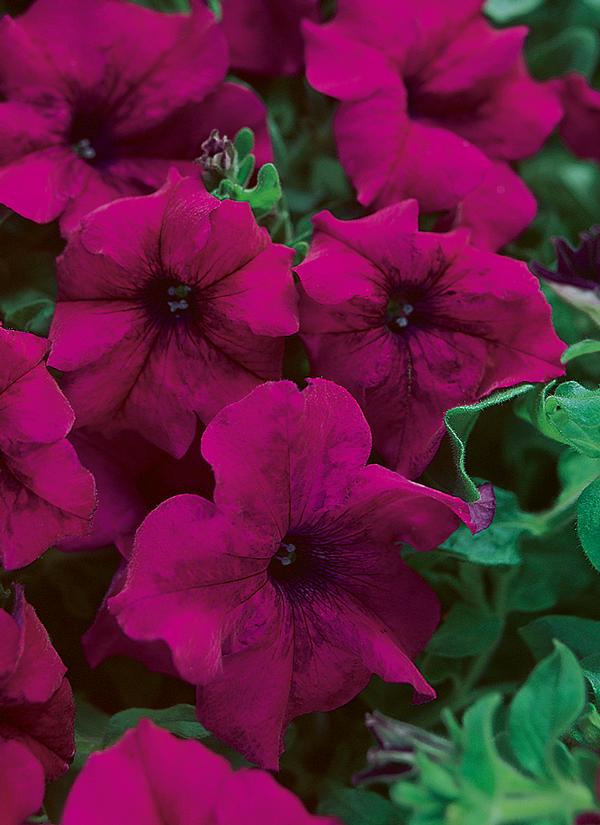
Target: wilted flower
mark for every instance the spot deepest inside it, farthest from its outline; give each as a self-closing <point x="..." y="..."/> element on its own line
<point x="104" y="96"/>
<point x="264" y="35"/>
<point x="182" y="310"/>
<point x="434" y="104"/>
<point x="294" y="571"/>
<point x="36" y="702"/>
<point x="45" y="493"/>
<point x="151" y="776"/>
<point x="415" y="323"/>
<point x="397" y="745"/>
<point x="577" y="275"/>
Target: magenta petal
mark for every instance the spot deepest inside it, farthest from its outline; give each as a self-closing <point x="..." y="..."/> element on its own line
<point x="498" y="210"/>
<point x="241" y="296"/>
<point x="20" y="405"/>
<point x="342" y="67"/>
<point x="264" y="35"/>
<point x="325" y="438"/>
<point x="148" y="776"/>
<point x="532" y="109"/>
<point x="38" y="672"/>
<point x="22" y="787"/>
<point x="170" y="59"/>
<point x="45" y="494"/>
<point x="36" y="702"/>
<point x="426" y="162"/>
<point x="264" y="644"/>
<point x="189" y="600"/>
<point x="581" y="124"/>
<point x="40" y="185"/>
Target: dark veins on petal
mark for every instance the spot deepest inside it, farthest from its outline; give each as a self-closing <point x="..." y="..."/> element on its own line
<point x="577" y="266"/>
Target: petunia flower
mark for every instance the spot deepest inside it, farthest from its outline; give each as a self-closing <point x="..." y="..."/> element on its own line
<point x="21" y="785"/>
<point x="580" y="125"/>
<point x="576" y="278"/>
<point x="132" y="477"/>
<point x="183" y="309"/>
<point x="45" y="493"/>
<point x="415" y="323"/>
<point x="431" y="96"/>
<point x="284" y="595"/>
<point x="102" y="97"/>
<point x="264" y="36"/>
<point x="36" y="702"/>
<point x="151" y="777"/>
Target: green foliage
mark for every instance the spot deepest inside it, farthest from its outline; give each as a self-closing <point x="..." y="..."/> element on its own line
<point x="507" y="767"/>
<point x="544" y="709"/>
<point x="452" y="474"/>
<point x="357" y="806"/>
<point x="505" y="11"/>
<point x="179" y="719"/>
<point x="588" y="522"/>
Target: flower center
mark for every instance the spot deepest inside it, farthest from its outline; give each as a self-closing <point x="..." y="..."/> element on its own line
<point x="167" y="300"/>
<point x="84" y="149"/>
<point x="298" y="568"/>
<point x="89" y="133"/>
<point x="397" y="315"/>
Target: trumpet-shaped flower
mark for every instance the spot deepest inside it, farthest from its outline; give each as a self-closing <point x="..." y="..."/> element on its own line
<point x="183" y="308"/>
<point x="102" y="97"/>
<point x="284" y="595"/>
<point x="415" y="323"/>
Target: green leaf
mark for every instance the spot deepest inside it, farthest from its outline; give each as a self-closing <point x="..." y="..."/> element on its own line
<point x="499" y="544"/>
<point x="585" y="347"/>
<point x="28" y="310"/>
<point x="588" y="522"/>
<point x="358" y="807"/>
<point x="576" y="49"/>
<point x="544" y="709"/>
<point x="459" y="424"/>
<point x="468" y="630"/>
<point x="574" y="411"/>
<point x="503" y="11"/>
<point x="179" y="719"/>
<point x="481" y="765"/>
<point x="90" y="727"/>
<point x="244" y="142"/>
<point x="267" y="192"/>
<point x="581" y="635"/>
<point x="165" y="5"/>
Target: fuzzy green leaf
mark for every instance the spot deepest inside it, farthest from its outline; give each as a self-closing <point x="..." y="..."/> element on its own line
<point x="588" y="522"/>
<point x="544" y="709"/>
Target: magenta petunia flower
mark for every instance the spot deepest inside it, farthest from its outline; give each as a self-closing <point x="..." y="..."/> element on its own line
<point x="36" y="702"/>
<point x="294" y="571"/>
<point x="22" y="785"/>
<point x="45" y="493"/>
<point x="182" y="310"/>
<point x="150" y="776"/>
<point x="415" y="323"/>
<point x="103" y="96"/>
<point x="430" y="95"/>
<point x="580" y="126"/>
<point x="132" y="477"/>
<point x="264" y="35"/>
